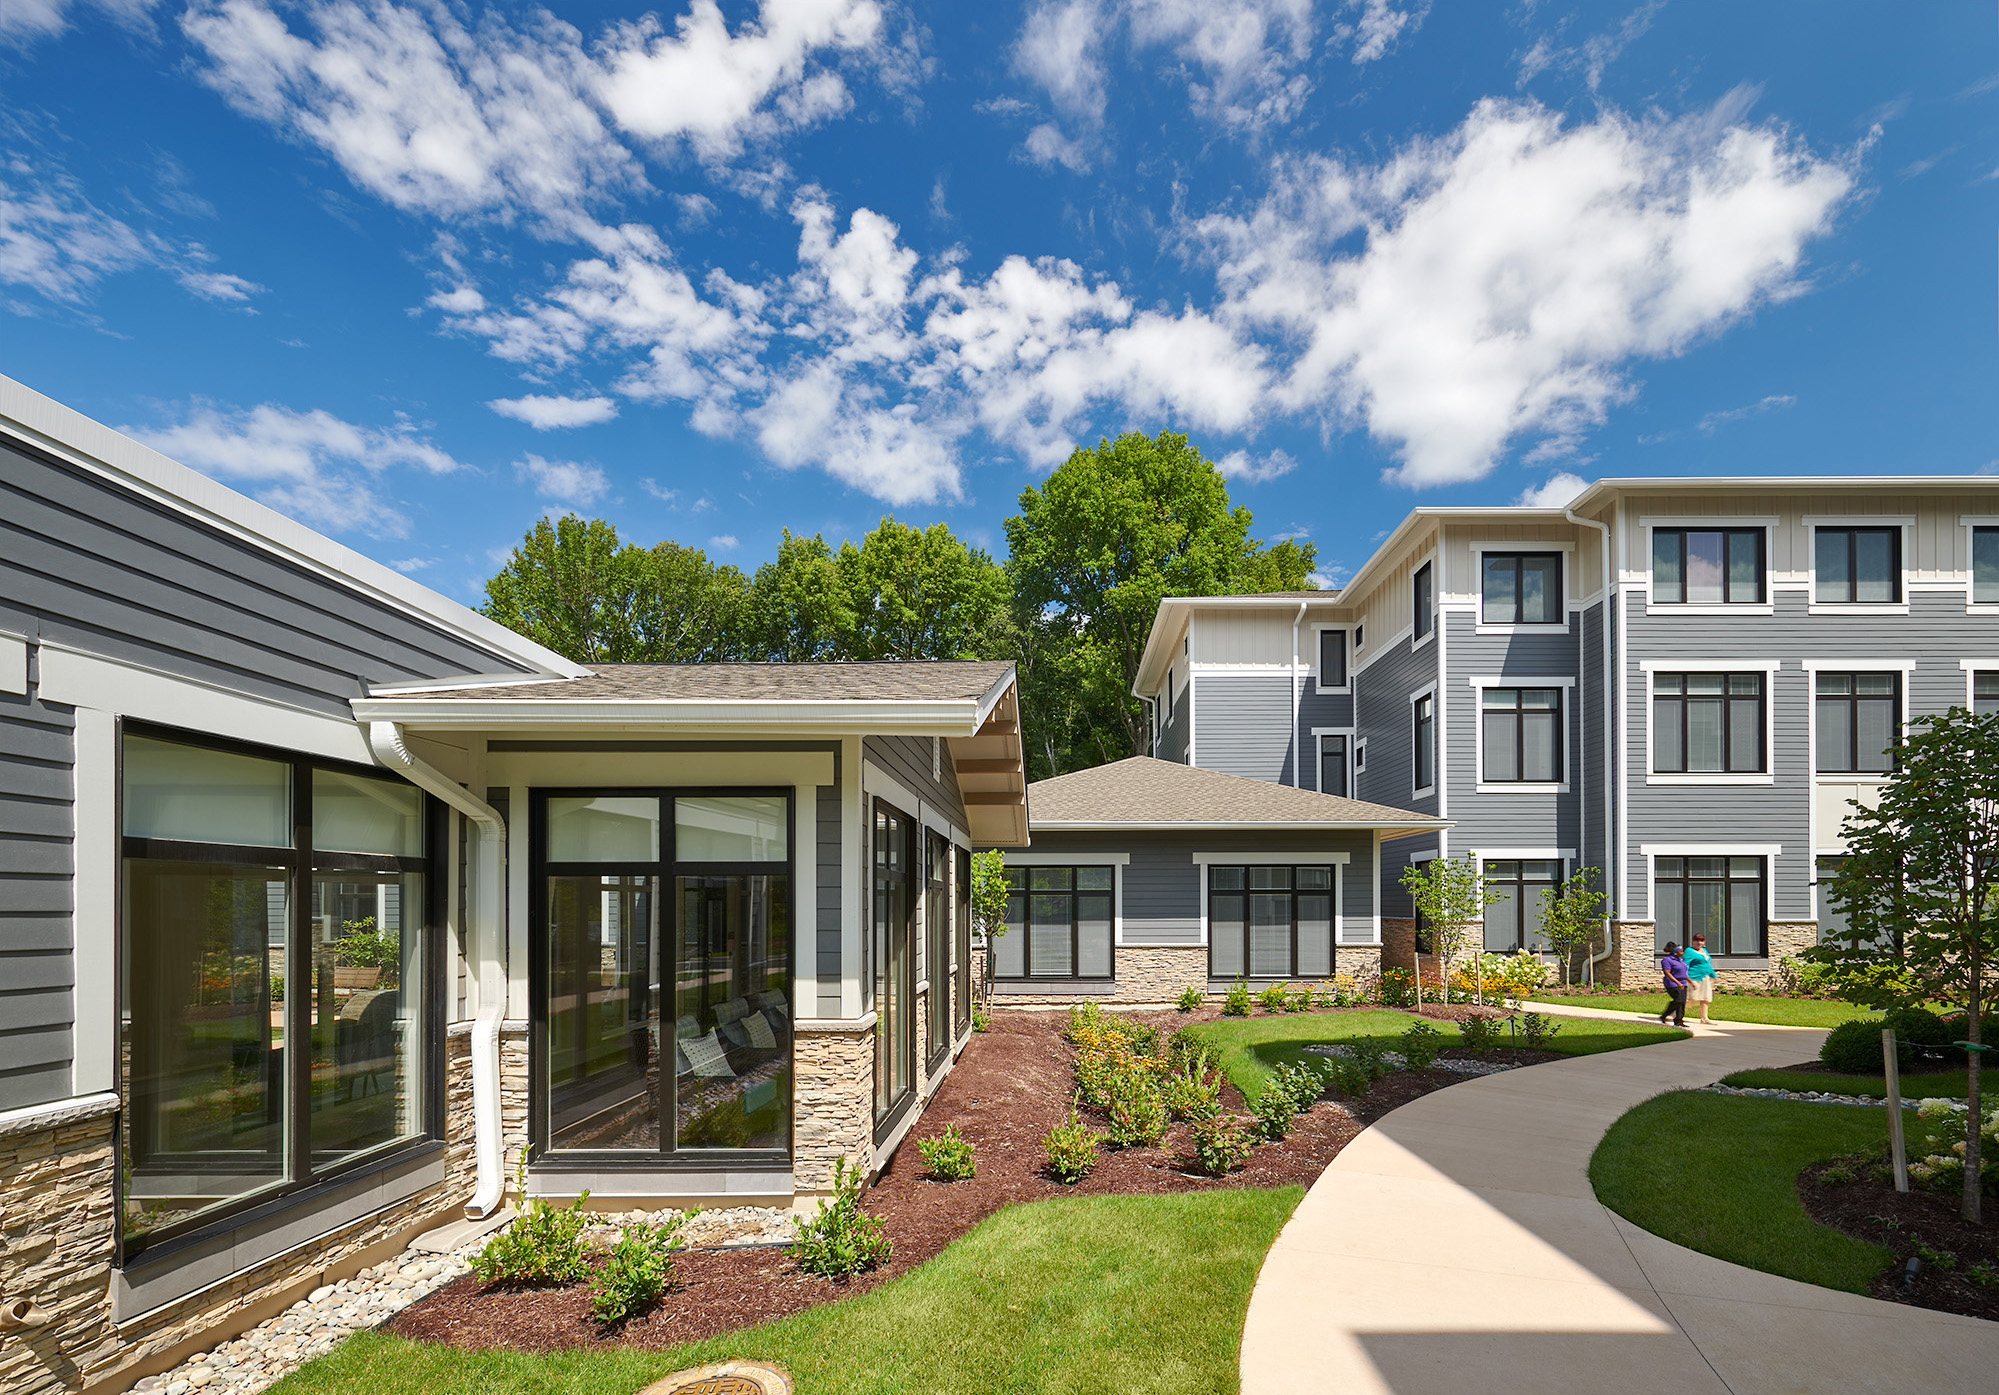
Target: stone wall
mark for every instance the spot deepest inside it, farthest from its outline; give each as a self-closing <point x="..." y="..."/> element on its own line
<point x="832" y="1100"/>
<point x="1398" y="944"/>
<point x="1635" y="968"/>
<point x="1156" y="975"/>
<point x="1360" y="965"/>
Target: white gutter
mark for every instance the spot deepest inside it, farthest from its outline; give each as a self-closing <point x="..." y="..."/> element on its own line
<point x="487" y="1149"/>
<point x="1609" y="725"/>
<point x="1297" y="746"/>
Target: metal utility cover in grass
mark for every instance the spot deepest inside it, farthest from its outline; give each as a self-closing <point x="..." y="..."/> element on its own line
<point x="728" y="1378"/>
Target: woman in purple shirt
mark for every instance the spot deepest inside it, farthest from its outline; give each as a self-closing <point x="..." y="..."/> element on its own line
<point x="1673" y="970"/>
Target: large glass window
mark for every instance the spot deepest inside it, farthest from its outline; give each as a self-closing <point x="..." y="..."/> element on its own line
<point x="1984" y="694"/>
<point x="1719" y="897"/>
<point x="1521" y="588"/>
<point x="1985" y="566"/>
<point x="1707" y="566"/>
<point x="666" y="956"/>
<point x="1857" y="565"/>
<point x="1270" y="922"/>
<point x="1514" y="921"/>
<point x="1332" y="658"/>
<point x="1522" y="732"/>
<point x="1707" y="723"/>
<point x="894" y="958"/>
<point x="1058" y="922"/>
<point x="268" y="904"/>
<point x="1423" y="741"/>
<point x="1857" y="715"/>
<point x="1422" y="601"/>
<point x="1333" y="765"/>
<point x="961" y="998"/>
<point x="937" y="944"/>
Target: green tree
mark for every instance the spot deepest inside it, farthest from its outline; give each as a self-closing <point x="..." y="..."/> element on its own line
<point x="1920" y="889"/>
<point x="572" y="587"/>
<point x="803" y="613"/>
<point x="1451" y="895"/>
<point x="1114" y="529"/>
<point x="1571" y="916"/>
<point x="989" y="896"/>
<point x="920" y="593"/>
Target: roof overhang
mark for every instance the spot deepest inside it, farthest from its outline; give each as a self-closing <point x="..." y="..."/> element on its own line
<point x="1154" y="658"/>
<point x="1387" y="829"/>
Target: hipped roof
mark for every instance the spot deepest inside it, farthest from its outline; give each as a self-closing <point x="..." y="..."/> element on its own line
<point x="1145" y="792"/>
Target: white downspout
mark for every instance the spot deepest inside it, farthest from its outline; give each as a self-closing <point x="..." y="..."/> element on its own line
<point x="1610" y="725"/>
<point x="1297" y="742"/>
<point x="386" y="739"/>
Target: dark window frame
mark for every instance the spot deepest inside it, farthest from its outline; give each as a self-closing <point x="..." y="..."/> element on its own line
<point x="1335" y="638"/>
<point x="664" y="871"/>
<point x="1558" y="596"/>
<point x="961" y="882"/>
<point x="1987" y="678"/>
<point x="938" y="929"/>
<point x="1422" y="603"/>
<point x="1519" y="713"/>
<point x="1327" y="741"/>
<point x="1518" y="883"/>
<point x="1893" y="531"/>
<point x="1728" y="537"/>
<point x="890" y="1104"/>
<point x="1422" y="742"/>
<point x="1022" y="925"/>
<point x="1685" y="880"/>
<point x="1989" y="536"/>
<point x="301" y="861"/>
<point x="1852" y="700"/>
<point x="1681" y="701"/>
<point x="1332" y="893"/>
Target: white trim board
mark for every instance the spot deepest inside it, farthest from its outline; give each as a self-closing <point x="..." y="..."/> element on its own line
<point x="1295" y="859"/>
<point x="1710" y="849"/>
<point x="1077" y="859"/>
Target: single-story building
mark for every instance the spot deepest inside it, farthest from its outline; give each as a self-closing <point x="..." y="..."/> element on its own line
<point x="1148" y="877"/>
<point x="323" y="897"/>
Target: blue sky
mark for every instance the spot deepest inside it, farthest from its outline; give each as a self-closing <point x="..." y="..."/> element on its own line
<point x="419" y="274"/>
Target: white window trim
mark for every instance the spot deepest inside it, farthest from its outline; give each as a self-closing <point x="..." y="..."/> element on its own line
<point x="1769" y="668"/>
<point x="1433" y="562"/>
<point x="1769" y="852"/>
<point x="1318" y="685"/>
<point x="1712" y="522"/>
<point x="1359" y="759"/>
<point x="1969" y="522"/>
<point x="1972" y="668"/>
<point x="1485" y="855"/>
<point x="1306" y="858"/>
<point x="1814" y="522"/>
<point x="1478" y="551"/>
<point x="1812" y="668"/>
<point x="1115" y="861"/>
<point x="1483" y="786"/>
<point x="1318" y="735"/>
<point x="1428" y="690"/>
<point x="1338" y="861"/>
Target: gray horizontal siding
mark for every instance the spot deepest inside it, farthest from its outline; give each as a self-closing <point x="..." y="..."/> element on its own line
<point x="88" y="564"/>
<point x="908" y="759"/>
<point x="1173" y="736"/>
<point x="1242" y="725"/>
<point x="826" y="921"/>
<point x="1381" y="709"/>
<point x="1395" y="859"/>
<point x="1507" y="819"/>
<point x="1331" y="710"/>
<point x="37" y="863"/>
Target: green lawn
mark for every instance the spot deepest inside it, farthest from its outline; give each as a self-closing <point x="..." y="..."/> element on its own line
<point x="1083" y="1294"/>
<point x="1732" y="1007"/>
<point x="1249" y="1048"/>
<point x="1949" y="1084"/>
<point x="1719" y="1175"/>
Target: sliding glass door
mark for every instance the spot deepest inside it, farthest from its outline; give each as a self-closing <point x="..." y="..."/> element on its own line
<point x="894" y="956"/>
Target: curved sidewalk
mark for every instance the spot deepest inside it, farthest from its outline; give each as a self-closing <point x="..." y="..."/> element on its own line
<point x="1456" y="1246"/>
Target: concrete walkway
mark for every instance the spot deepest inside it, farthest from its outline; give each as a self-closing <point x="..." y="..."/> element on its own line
<point x="1456" y="1246"/>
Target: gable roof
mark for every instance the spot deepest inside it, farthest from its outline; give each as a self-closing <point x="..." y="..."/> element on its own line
<point x="1145" y="792"/>
<point x="889" y="681"/>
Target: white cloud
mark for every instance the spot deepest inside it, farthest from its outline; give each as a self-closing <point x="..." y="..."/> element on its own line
<point x="24" y="21"/>
<point x="1379" y="26"/>
<point x="219" y="285"/>
<point x="1557" y="491"/>
<point x="1510" y="270"/>
<point x="659" y="492"/>
<point x="1714" y="421"/>
<point x="312" y="465"/>
<point x="1594" y="55"/>
<point x="1241" y="465"/>
<point x="56" y="242"/>
<point x="407" y="565"/>
<point x="1060" y="50"/>
<point x="563" y="481"/>
<point x="724" y="542"/>
<point x="554" y="413"/>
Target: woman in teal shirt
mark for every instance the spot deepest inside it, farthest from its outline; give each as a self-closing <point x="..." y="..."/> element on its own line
<point x="1700" y="976"/>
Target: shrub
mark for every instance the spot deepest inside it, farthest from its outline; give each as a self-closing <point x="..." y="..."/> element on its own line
<point x="636" y="1272"/>
<point x="1330" y="993"/>
<point x="1301" y="1085"/>
<point x="1919" y="1027"/>
<point x="1300" y="1000"/>
<point x="1854" y="1048"/>
<point x="1345" y="1078"/>
<point x="841" y="1240"/>
<point x="1194" y="1091"/>
<point x="1236" y="1002"/>
<point x="1397" y="988"/>
<point x="1274" y="998"/>
<point x="1072" y="1150"/>
<point x="1480" y="1034"/>
<point x="980" y="1021"/>
<point x="1137" y="1115"/>
<point x="1274" y="1112"/>
<point x="948" y="1156"/>
<point x="1190" y="999"/>
<point x="1085" y="1020"/>
<point x="1222" y="1144"/>
<point x="543" y="1245"/>
<point x="1984" y="1274"/>
<point x="1420" y="1045"/>
<point x="1538" y="1029"/>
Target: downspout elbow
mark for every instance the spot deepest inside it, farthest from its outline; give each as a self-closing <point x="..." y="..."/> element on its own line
<point x="20" y="1314"/>
<point x="488" y="1149"/>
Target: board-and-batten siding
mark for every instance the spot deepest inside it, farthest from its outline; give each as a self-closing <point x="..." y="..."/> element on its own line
<point x="1505" y="819"/>
<point x="36" y="866"/>
<point x="89" y="565"/>
<point x="1242" y="725"/>
<point x="1938" y="545"/>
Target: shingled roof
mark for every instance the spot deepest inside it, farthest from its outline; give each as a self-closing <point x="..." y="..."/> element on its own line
<point x="1142" y="791"/>
<point x="916" y="681"/>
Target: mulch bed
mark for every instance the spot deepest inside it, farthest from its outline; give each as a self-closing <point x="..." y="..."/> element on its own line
<point x="1010" y="1086"/>
<point x="1872" y="1210"/>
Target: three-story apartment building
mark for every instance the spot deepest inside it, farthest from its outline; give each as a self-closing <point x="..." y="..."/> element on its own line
<point x="1680" y="683"/>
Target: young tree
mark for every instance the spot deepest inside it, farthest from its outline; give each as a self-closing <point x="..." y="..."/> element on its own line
<point x="989" y="893"/>
<point x="1571" y="915"/>
<point x="1451" y="895"/>
<point x="572" y="587"/>
<point x="1920" y="889"/>
<point x="1115" y="528"/>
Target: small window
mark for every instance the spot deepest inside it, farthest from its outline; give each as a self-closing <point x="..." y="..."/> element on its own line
<point x="1719" y="897"/>
<point x="1707" y="723"/>
<point x="1332" y="658"/>
<point x="1521" y="588"/>
<point x="1270" y="922"/>
<point x="1359" y="636"/>
<point x="1422" y="601"/>
<point x="1857" y="716"/>
<point x="1059" y="919"/>
<point x="1333" y="765"/>
<point x="1424" y="711"/>
<point x="1359" y="756"/>
<point x="1858" y="566"/>
<point x="1522" y="732"/>
<point x="1514" y="921"/>
<point x="1707" y="566"/>
<point x="1984" y="694"/>
<point x="1985" y="566"/>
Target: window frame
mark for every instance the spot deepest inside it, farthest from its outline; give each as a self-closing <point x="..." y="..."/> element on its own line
<point x="1207" y="872"/>
<point x="1653" y="670"/>
<point x="1766" y="880"/>
<point x="301" y="861"/>
<point x="890" y="1107"/>
<point x="1564" y="688"/>
<point x="1724" y="528"/>
<point x="1972" y="673"/>
<point x="1973" y="525"/>
<point x="1897" y="700"/>
<point x="1519" y="882"/>
<point x="1344" y="735"/>
<point x="669" y="1156"/>
<point x="1520" y="553"/>
<point x="1320" y="634"/>
<point x="1075" y="895"/>
<point x="1898" y="531"/>
<point x="1422" y="730"/>
<point x="937" y="934"/>
<point x="1423" y="603"/>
